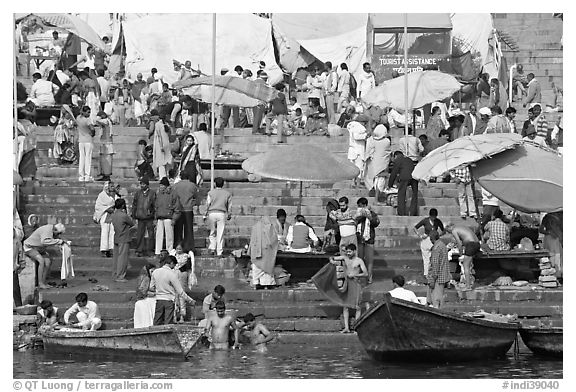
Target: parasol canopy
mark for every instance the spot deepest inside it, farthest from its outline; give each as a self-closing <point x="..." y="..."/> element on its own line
<point x="424" y="87"/>
<point x="463" y="151"/>
<point x="302" y="162"/>
<point x="528" y="178"/>
<point x="70" y="23"/>
<point x="230" y="90"/>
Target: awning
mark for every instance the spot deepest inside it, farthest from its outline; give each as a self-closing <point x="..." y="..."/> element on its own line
<point x="416" y="22"/>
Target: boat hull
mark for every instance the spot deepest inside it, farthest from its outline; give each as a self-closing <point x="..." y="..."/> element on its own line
<point x="544" y="341"/>
<point x="165" y="341"/>
<point x="397" y="330"/>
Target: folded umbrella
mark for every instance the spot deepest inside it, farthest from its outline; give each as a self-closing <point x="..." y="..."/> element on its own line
<point x="230" y="90"/>
<point x="424" y="87"/>
<point x="463" y="151"/>
<point x="528" y="178"/>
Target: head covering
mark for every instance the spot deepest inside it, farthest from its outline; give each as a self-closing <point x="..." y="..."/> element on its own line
<point x="380" y="132"/>
<point x="30" y="219"/>
<point x="534" y="104"/>
<point x="68" y="110"/>
<point x="486" y="111"/>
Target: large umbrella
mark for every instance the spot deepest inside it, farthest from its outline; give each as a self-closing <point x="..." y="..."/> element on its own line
<point x="302" y="162"/>
<point x="528" y="178"/>
<point x="70" y="23"/>
<point x="424" y="87"/>
<point x="463" y="151"/>
<point x="230" y="90"/>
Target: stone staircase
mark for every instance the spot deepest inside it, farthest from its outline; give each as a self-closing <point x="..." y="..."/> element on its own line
<point x="538" y="37"/>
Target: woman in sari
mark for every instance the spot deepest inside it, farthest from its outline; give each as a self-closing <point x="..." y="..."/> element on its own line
<point x="552" y="228"/>
<point x="145" y="305"/>
<point x="103" y="211"/>
<point x="190" y="161"/>
<point x="161" y="151"/>
<point x="63" y="131"/>
<point x="435" y="124"/>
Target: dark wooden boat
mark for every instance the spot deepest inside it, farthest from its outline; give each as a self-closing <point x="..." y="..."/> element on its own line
<point x="398" y="330"/>
<point x="162" y="340"/>
<point x="544" y="341"/>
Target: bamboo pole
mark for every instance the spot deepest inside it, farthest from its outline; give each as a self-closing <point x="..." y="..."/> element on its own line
<point x="212" y="119"/>
<point x="406" y="81"/>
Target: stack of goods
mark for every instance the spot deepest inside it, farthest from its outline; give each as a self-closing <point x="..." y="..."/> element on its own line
<point x="547" y="274"/>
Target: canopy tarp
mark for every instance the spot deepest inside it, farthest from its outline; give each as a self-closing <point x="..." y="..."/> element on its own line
<point x="241" y="39"/>
<point x="291" y="54"/>
<point x="415" y="21"/>
<point x="70" y="23"/>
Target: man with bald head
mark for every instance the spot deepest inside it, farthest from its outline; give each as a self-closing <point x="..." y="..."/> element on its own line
<point x="35" y="248"/>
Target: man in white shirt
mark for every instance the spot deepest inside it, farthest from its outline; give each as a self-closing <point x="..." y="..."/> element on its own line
<point x="415" y="147"/>
<point x="104" y="88"/>
<point x="203" y="141"/>
<point x="343" y="87"/>
<point x="400" y="292"/>
<point x="42" y="91"/>
<point x="86" y="312"/>
<point x="366" y="81"/>
<point x="330" y="93"/>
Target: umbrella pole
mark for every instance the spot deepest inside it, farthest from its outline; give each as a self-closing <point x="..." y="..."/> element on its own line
<point x="406" y="81"/>
<point x="212" y="122"/>
<point x="299" y="209"/>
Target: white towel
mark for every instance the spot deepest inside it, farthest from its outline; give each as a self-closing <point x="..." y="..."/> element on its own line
<point x="67" y="269"/>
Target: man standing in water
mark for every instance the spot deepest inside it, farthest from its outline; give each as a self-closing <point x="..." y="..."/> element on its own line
<point x="219" y="328"/>
<point x="257" y="332"/>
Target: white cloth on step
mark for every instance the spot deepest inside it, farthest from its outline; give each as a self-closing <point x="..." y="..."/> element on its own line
<point x="67" y="269"/>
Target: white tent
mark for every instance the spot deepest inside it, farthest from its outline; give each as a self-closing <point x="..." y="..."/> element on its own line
<point x="156" y="40"/>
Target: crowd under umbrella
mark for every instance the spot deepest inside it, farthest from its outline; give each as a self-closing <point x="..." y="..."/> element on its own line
<point x="527" y="178"/>
<point x="301" y="163"/>
<point x="225" y="90"/>
<point x="462" y="152"/>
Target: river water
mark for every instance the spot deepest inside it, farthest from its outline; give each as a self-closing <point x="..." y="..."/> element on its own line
<point x="281" y="361"/>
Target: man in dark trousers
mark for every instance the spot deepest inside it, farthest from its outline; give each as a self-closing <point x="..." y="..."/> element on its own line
<point x="403" y="167"/>
<point x="185" y="193"/>
<point x="122" y="224"/>
<point x="143" y="211"/>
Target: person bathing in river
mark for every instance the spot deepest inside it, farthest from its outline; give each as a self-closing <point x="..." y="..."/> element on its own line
<point x="256" y="332"/>
<point x="219" y="328"/>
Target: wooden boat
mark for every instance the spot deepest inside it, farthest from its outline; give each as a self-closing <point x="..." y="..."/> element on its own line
<point x="398" y="330"/>
<point x="544" y="341"/>
<point x="162" y="340"/>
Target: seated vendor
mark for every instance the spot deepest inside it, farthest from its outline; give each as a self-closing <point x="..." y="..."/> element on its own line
<point x="497" y="233"/>
<point x="86" y="312"/>
<point x="300" y="236"/>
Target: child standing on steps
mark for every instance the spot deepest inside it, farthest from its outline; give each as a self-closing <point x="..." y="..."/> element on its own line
<point x="185" y="271"/>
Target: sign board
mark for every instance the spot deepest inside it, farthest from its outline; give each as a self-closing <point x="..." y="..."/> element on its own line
<point x="384" y="65"/>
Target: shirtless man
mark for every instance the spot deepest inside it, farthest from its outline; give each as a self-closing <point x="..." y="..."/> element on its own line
<point x="258" y="334"/>
<point x="355" y="268"/>
<point x="219" y="328"/>
<point x="469" y="245"/>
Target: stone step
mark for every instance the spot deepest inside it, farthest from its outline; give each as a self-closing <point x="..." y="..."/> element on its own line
<point x="262" y="189"/>
<point x="236" y="200"/>
<point x="382" y="211"/>
<point x="116" y="130"/>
